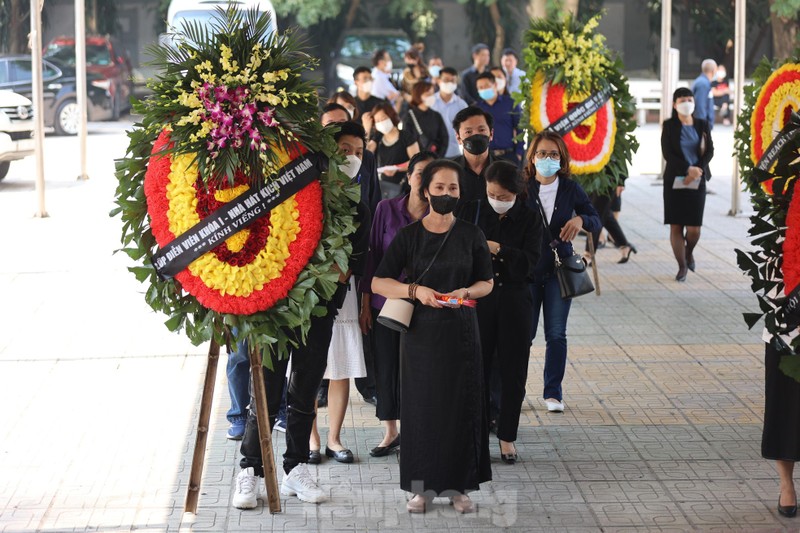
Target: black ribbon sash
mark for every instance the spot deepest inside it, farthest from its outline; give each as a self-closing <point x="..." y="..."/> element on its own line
<point x="235" y="216"/>
<point x="775" y="153"/>
<point x="580" y="112"/>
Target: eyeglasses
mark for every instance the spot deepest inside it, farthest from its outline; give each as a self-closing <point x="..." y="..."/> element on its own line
<point x="541" y="154"/>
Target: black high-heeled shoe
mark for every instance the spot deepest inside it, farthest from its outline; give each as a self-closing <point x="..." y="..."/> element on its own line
<point x="789" y="511"/>
<point x="626" y="257"/>
<point x="508" y="458"/>
<point x="681" y="276"/>
<point x="690" y="264"/>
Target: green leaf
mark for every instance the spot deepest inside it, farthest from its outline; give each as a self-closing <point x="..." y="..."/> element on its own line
<point x="174" y="323"/>
<point x="790" y="365"/>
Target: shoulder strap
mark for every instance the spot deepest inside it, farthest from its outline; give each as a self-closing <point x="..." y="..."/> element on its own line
<point x="545" y="222"/>
<point x="414" y="119"/>
<point x="446" y="235"/>
<point x="477" y="212"/>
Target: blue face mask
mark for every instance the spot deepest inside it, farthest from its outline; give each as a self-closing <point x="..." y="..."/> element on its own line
<point x="435" y="71"/>
<point x="486" y="94"/>
<point x="547" y="167"/>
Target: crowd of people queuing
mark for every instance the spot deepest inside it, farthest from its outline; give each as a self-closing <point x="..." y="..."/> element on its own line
<point x="459" y="217"/>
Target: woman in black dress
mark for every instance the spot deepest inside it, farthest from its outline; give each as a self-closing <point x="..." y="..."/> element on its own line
<point x="780" y="441"/>
<point x="445" y="441"/>
<point x="687" y="147"/>
<point x="514" y="235"/>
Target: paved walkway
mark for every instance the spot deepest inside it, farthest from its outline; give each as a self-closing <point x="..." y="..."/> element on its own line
<point x="664" y="390"/>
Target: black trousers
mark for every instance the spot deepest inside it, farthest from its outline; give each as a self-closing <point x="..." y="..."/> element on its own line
<point x="309" y="361"/>
<point x="604" y="206"/>
<point x="385" y="345"/>
<point x="504" y="317"/>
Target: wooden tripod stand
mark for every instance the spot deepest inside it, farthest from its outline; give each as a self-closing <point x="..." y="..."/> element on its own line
<point x="265" y="437"/>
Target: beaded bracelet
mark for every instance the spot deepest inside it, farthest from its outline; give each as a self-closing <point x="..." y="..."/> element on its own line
<point x="412" y="289"/>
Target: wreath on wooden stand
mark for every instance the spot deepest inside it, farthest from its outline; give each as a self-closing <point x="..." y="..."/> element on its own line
<point x="767" y="143"/>
<point x="575" y="86"/>
<point x="231" y="201"/>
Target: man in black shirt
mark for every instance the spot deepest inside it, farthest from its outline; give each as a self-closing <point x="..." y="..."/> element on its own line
<point x="365" y="101"/>
<point x="474" y="131"/>
<point x="468" y="89"/>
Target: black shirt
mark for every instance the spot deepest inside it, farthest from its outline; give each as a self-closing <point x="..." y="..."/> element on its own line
<point x="433" y="128"/>
<point x="473" y="186"/>
<point x="519" y="233"/>
<point x="395" y="154"/>
<point x="365" y="106"/>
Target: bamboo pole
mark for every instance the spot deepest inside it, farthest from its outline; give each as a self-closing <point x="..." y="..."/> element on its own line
<point x="196" y="473"/>
<point x="265" y="437"/>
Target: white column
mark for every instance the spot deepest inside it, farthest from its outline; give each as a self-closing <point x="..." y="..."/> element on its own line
<point x="738" y="69"/>
<point x="80" y="75"/>
<point x="666" y="75"/>
<point x="38" y="101"/>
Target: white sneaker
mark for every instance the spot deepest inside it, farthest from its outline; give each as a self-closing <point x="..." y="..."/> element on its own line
<point x="247" y="492"/>
<point x="554" y="406"/>
<point x="298" y="483"/>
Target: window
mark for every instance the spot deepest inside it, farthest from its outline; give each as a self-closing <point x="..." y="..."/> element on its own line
<point x="20" y="70"/>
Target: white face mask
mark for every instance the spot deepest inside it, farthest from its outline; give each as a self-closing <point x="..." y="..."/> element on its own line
<point x="501" y="84"/>
<point x="351" y="111"/>
<point x="384" y="126"/>
<point x="367" y="86"/>
<point x="501" y="207"/>
<point x="429" y="100"/>
<point x="388" y="66"/>
<point x="685" y="108"/>
<point x="448" y="87"/>
<point x="351" y="166"/>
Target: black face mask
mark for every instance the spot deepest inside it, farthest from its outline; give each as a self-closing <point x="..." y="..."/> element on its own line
<point x="443" y="204"/>
<point x="411" y="65"/>
<point x="476" y="144"/>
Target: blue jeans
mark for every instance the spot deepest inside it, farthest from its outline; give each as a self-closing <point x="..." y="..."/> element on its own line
<point x="238" y="372"/>
<point x="547" y="296"/>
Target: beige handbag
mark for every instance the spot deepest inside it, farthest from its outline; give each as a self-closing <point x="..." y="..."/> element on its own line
<point x="397" y="312"/>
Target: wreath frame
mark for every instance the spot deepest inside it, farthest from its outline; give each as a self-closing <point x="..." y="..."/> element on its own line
<point x="605" y="69"/>
<point x="275" y="330"/>
<point x="764" y="263"/>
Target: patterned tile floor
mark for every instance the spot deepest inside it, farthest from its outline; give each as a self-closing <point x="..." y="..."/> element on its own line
<point x="664" y="392"/>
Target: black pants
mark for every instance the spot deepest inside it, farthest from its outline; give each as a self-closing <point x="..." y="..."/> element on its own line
<point x="604" y="206"/>
<point x="504" y="317"/>
<point x="386" y="356"/>
<point x="309" y="361"/>
<point x="366" y="385"/>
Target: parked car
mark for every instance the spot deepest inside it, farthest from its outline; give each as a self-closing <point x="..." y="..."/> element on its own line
<point x="357" y="48"/>
<point x="60" y="93"/>
<point x="104" y="57"/>
<point x="16" y="129"/>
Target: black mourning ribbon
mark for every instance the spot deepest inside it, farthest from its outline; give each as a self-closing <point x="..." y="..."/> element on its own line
<point x="784" y="150"/>
<point x="573" y="118"/>
<point x="237" y="215"/>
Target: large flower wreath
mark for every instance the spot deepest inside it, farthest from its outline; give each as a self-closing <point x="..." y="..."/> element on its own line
<point x="228" y="111"/>
<point x="566" y="63"/>
<point x="770" y="111"/>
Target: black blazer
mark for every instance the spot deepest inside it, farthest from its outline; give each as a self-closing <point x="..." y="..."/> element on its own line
<point x="671" y="149"/>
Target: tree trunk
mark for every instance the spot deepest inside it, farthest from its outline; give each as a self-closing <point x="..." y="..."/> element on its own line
<point x="784" y="34"/>
<point x="351" y="14"/>
<point x="499" y="33"/>
<point x="91" y="16"/>
<point x="537" y="9"/>
<point x="570" y="7"/>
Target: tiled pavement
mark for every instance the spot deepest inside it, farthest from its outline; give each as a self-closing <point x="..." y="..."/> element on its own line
<point x="664" y="392"/>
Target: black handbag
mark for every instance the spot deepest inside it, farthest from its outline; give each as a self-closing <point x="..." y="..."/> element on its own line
<point x="424" y="143"/>
<point x="573" y="277"/>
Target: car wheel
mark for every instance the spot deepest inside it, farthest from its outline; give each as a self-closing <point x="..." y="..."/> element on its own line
<point x="4" y="169"/>
<point x="67" y="119"/>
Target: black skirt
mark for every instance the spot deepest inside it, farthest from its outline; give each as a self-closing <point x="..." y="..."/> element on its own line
<point x="684" y="207"/>
<point x="781" y="437"/>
